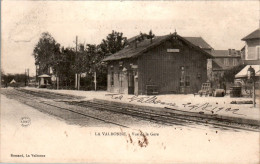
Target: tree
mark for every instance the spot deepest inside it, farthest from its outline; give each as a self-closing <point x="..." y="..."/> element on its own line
<point x="46" y="53"/>
<point x="229" y="74"/>
<point x="92" y="56"/>
<point x="113" y="43"/>
<point x="66" y="66"/>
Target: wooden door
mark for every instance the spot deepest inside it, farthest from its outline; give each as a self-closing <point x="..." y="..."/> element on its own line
<point x="184" y="81"/>
<point x="131" y="84"/>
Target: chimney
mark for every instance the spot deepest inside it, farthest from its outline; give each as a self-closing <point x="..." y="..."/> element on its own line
<point x="175" y="32"/>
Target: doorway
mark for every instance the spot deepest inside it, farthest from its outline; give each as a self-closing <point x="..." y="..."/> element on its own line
<point x="131" y="85"/>
<point x="184" y="82"/>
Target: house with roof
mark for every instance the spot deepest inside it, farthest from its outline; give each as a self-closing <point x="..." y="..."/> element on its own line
<point x="251" y="52"/>
<point x="252" y="48"/>
<point x="223" y="60"/>
<point x="159" y="65"/>
<point x="226" y="59"/>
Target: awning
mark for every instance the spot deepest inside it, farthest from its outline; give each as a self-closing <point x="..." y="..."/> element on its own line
<point x="243" y="72"/>
<point x="44" y="75"/>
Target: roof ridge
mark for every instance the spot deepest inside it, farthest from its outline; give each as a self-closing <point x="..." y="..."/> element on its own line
<point x="253" y="35"/>
<point x="129" y="52"/>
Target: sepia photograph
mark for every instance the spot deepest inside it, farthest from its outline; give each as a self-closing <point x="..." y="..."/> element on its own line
<point x="130" y="81"/>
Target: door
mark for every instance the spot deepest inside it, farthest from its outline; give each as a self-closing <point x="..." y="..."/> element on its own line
<point x="131" y="84"/>
<point x="121" y="80"/>
<point x="184" y="82"/>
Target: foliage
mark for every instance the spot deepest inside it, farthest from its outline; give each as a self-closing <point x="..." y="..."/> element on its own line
<point x="46" y="53"/>
<point x="113" y="43"/>
<point x="229" y="74"/>
<point x="7" y="78"/>
<point x="65" y="68"/>
<point x="66" y="62"/>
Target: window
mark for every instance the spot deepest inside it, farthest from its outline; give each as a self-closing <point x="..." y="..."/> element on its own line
<point x="226" y="62"/>
<point x="130" y="80"/>
<point x="181" y="82"/>
<point x="112" y="76"/>
<point x="234" y="62"/>
<point x="121" y="78"/>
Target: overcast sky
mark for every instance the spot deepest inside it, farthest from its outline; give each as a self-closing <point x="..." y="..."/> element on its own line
<point x="222" y="24"/>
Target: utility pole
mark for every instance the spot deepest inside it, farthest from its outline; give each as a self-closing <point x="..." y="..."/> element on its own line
<point x="28" y="75"/>
<point x="95" y="80"/>
<point x="76" y="75"/>
<point x="58" y="81"/>
<point x="57" y="77"/>
<point x="25" y="78"/>
<point x="79" y="81"/>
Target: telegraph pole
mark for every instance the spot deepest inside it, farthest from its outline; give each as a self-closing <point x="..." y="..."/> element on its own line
<point x="76" y="75"/>
<point x="57" y="78"/>
<point x="25" y="77"/>
<point x="95" y="80"/>
<point x="28" y="75"/>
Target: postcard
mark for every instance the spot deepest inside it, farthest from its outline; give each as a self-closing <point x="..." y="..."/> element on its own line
<point x="130" y="82"/>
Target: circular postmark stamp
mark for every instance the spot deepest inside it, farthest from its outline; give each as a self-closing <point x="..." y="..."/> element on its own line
<point x="25" y="121"/>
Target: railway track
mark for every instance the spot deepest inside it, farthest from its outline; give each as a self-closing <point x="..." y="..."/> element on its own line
<point x="165" y="118"/>
<point x="49" y="95"/>
<point x="20" y="93"/>
<point x="48" y="107"/>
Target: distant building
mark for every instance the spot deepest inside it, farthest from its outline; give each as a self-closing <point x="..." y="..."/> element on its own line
<point x="162" y="65"/>
<point x="41" y="74"/>
<point x="224" y="60"/>
<point x="252" y="48"/>
<point x="251" y="54"/>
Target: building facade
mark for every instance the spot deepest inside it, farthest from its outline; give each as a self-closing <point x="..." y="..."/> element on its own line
<point x="162" y="65"/>
<point x="252" y="48"/>
<point x="223" y="60"/>
<point x="251" y="55"/>
<point x="226" y="59"/>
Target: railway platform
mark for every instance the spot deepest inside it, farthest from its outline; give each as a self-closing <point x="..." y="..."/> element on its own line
<point x="220" y="108"/>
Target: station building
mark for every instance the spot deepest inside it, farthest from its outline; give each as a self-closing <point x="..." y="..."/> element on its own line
<point x="161" y="65"/>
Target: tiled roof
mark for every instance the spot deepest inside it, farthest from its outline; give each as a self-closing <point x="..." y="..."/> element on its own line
<point x="143" y="46"/>
<point x="199" y="41"/>
<point x="225" y="53"/>
<point x="254" y="35"/>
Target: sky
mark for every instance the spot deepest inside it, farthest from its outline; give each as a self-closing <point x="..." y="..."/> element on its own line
<point x="221" y="23"/>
